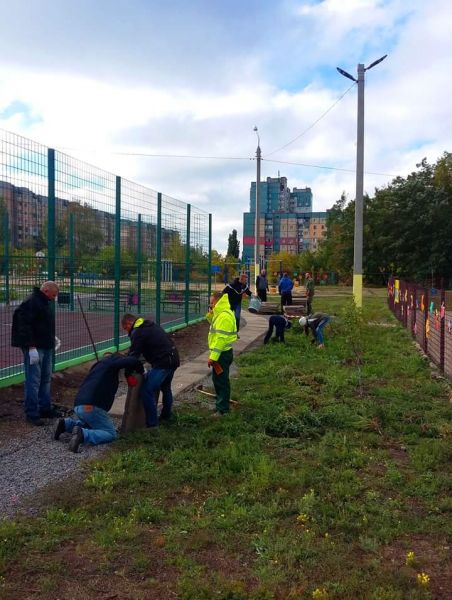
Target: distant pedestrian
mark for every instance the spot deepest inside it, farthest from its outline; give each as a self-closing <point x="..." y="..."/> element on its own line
<point x="262" y="285"/>
<point x="33" y="331"/>
<point x="281" y="324"/>
<point x="309" y="283"/>
<point x="235" y="292"/>
<point x="316" y="324"/>
<point x="94" y="399"/>
<point x="222" y="334"/>
<point x="285" y="289"/>
<point x="150" y="340"/>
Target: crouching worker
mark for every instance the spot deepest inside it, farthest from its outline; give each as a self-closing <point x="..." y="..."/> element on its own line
<point x="93" y="401"/>
<point x="280" y="323"/>
<point x="222" y="334"/>
<point x="151" y="341"/>
<point x="316" y="323"/>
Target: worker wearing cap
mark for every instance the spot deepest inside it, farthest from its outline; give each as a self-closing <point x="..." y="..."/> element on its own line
<point x="151" y="341"/>
<point x="222" y="334"/>
<point x="316" y="324"/>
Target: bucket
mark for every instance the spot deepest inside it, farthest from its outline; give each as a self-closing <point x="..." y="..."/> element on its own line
<point x="255" y="304"/>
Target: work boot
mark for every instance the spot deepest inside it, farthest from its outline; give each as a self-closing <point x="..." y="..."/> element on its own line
<point x="35" y="421"/>
<point x="76" y="439"/>
<point x="51" y="413"/>
<point x="60" y="428"/>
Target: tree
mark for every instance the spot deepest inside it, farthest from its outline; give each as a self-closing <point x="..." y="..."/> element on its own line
<point x="233" y="245"/>
<point x="406" y="228"/>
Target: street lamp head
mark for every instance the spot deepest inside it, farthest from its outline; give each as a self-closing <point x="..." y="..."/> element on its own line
<point x="376" y="62"/>
<point x="345" y="74"/>
<point x="258" y="138"/>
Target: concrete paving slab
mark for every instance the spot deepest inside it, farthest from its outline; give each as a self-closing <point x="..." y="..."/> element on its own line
<point x="191" y="373"/>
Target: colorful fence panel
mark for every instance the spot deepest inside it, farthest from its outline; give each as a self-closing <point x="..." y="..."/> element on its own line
<point x="427" y="312"/>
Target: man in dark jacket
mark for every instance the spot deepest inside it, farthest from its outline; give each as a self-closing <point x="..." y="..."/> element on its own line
<point x="262" y="285"/>
<point x="94" y="399"/>
<point x="235" y="291"/>
<point x="150" y="340"/>
<point x="280" y="323"/>
<point x="33" y="331"/>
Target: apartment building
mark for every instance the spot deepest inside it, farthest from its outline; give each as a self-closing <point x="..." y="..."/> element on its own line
<point x="286" y="220"/>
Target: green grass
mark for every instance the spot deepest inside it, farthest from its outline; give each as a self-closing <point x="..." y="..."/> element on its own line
<point x="334" y="467"/>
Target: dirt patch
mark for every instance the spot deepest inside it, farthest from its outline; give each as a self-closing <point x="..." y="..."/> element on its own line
<point x="431" y="557"/>
<point x="190" y="341"/>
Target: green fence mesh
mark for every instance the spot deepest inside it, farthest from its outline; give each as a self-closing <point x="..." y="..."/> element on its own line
<point x="113" y="246"/>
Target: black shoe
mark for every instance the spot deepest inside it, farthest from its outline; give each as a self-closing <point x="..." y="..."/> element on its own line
<point x="76" y="439"/>
<point x="51" y="413"/>
<point x="35" y="421"/>
<point x="60" y="428"/>
<point x="166" y="419"/>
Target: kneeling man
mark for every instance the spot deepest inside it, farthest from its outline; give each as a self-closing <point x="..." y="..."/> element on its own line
<point x="93" y="401"/>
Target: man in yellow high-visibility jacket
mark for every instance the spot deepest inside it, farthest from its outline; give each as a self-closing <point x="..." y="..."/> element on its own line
<point x="222" y="334"/>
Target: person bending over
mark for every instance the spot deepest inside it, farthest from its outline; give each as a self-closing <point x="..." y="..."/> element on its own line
<point x="316" y="324"/>
<point x="93" y="401"/>
<point x="150" y="340"/>
<point x="280" y="323"/>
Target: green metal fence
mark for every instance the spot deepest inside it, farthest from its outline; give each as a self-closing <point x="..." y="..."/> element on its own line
<point x="113" y="246"/>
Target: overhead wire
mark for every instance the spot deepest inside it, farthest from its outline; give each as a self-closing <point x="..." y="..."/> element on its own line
<point x="312" y="124"/>
<point x="285" y="162"/>
<point x="200" y="157"/>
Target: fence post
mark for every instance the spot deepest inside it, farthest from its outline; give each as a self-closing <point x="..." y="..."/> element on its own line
<point x="139" y="263"/>
<point x="413" y="320"/>
<point x="426" y="306"/>
<point x="6" y="253"/>
<point x="187" y="266"/>
<point x="51" y="228"/>
<point x="158" y="261"/>
<point x="443" y="329"/>
<point x="405" y="305"/>
<point x="117" y="271"/>
<point x="209" y="276"/>
<point x="51" y="214"/>
<point x="71" y="261"/>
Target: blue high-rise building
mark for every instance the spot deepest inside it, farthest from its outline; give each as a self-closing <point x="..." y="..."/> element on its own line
<point x="284" y="220"/>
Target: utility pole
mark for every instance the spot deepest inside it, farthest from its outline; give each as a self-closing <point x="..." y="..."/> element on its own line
<point x="358" y="237"/>
<point x="358" y="241"/>
<point x="256" y="223"/>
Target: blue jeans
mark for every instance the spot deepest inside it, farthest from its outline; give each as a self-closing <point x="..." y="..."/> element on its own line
<point x="37" y="383"/>
<point x="154" y="381"/>
<point x="237" y="310"/>
<point x="96" y="424"/>
<point x="319" y="329"/>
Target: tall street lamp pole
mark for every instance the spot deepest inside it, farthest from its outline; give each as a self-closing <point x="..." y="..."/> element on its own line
<point x="256" y="222"/>
<point x="358" y="237"/>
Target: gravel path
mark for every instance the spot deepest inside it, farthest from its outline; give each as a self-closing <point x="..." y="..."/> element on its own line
<point x="30" y="462"/>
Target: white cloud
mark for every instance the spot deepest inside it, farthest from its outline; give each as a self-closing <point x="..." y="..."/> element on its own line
<point x="205" y="100"/>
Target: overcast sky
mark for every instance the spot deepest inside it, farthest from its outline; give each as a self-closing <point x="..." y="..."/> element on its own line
<point x="95" y="77"/>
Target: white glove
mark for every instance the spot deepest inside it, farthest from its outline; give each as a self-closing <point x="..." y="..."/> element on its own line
<point x="34" y="356"/>
<point x="57" y="343"/>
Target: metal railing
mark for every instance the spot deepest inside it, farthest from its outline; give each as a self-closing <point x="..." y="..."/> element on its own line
<point x="111" y="245"/>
